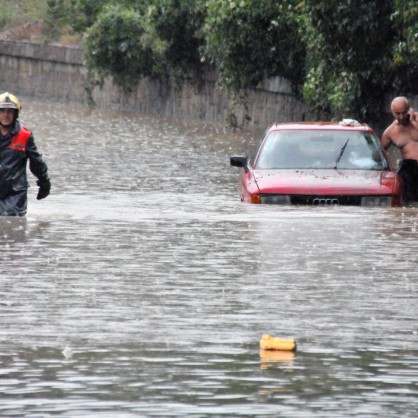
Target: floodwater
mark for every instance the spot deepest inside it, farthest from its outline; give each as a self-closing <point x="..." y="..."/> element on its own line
<point x="142" y="286"/>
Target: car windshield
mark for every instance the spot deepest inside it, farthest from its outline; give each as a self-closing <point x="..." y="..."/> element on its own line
<point x="326" y="149"/>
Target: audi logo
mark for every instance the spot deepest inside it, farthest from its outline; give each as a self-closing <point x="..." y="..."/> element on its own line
<point x="325" y="202"/>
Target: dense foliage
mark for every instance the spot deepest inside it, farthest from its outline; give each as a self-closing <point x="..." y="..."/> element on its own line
<point x="405" y="47"/>
<point x="248" y="40"/>
<point x="349" y="65"/>
<point x="174" y="29"/>
<point x="116" y="46"/>
<point x="78" y="14"/>
<point x="343" y="57"/>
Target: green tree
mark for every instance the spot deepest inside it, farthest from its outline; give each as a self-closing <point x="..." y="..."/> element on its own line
<point x="159" y="39"/>
<point x="114" y="47"/>
<point x="349" y="62"/>
<point x="344" y="56"/>
<point x="248" y="40"/>
<point x="78" y="14"/>
<point x="405" y="48"/>
<point x="174" y="33"/>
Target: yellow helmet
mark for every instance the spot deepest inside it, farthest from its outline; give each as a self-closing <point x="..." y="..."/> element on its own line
<point x="8" y="101"/>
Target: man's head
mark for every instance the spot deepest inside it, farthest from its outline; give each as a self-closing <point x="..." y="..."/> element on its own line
<point x="400" y="110"/>
<point x="9" y="109"/>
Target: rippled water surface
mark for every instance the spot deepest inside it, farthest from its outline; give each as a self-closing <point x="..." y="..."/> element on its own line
<point x="142" y="286"/>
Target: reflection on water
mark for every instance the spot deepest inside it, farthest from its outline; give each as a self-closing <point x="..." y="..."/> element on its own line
<point x="146" y="266"/>
<point x="13" y="230"/>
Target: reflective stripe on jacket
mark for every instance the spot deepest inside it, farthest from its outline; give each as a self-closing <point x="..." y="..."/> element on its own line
<point x="20" y="140"/>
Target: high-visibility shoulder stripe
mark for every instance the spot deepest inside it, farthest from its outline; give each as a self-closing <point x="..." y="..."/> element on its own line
<point x="20" y="140"/>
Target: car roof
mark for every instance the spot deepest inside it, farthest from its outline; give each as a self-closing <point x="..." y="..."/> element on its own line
<point x="344" y="125"/>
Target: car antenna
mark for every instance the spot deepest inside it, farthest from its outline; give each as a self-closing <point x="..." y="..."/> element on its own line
<point x="341" y="154"/>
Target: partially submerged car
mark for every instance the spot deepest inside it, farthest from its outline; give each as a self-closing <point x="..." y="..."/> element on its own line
<point x="319" y="163"/>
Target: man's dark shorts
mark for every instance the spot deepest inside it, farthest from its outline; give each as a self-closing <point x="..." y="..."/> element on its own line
<point x="408" y="170"/>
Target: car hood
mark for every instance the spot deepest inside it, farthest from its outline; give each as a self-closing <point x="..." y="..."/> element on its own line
<point x="323" y="182"/>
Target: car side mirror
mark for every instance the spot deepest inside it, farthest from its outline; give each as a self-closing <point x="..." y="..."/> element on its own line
<point x="239" y="161"/>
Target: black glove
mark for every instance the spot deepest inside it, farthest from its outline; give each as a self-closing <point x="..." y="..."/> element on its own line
<point x="44" y="188"/>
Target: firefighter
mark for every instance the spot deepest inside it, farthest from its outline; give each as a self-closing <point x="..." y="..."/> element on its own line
<point x="17" y="146"/>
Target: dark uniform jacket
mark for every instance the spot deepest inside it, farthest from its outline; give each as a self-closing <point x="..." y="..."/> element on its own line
<point x="15" y="151"/>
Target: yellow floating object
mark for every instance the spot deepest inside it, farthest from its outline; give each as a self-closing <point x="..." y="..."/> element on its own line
<point x="272" y="343"/>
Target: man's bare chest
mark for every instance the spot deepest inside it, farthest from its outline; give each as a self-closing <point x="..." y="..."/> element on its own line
<point x="404" y="136"/>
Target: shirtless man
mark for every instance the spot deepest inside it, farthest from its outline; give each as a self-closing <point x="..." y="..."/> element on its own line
<point x="403" y="134"/>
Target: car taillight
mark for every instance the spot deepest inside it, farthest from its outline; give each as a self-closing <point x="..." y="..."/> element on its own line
<point x="255" y="198"/>
<point x="387" y="179"/>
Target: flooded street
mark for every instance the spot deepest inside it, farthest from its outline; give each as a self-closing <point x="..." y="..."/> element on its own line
<point x="142" y="286"/>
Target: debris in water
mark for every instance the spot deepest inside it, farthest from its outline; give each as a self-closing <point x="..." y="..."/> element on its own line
<point x="272" y="343"/>
<point x="68" y="352"/>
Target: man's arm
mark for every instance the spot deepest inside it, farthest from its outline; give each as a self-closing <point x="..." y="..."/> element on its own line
<point x="36" y="164"/>
<point x="386" y="141"/>
<point x="38" y="167"/>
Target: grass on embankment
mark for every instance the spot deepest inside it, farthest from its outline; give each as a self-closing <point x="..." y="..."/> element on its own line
<point x="16" y="12"/>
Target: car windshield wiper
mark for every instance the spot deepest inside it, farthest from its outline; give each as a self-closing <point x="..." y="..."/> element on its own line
<point x="341" y="154"/>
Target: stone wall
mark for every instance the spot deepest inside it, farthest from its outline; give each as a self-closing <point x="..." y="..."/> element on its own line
<point x="57" y="72"/>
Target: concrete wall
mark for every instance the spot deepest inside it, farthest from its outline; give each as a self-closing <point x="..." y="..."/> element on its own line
<point x="51" y="71"/>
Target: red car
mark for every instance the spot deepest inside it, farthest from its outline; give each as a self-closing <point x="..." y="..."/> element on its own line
<point x="319" y="163"/>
